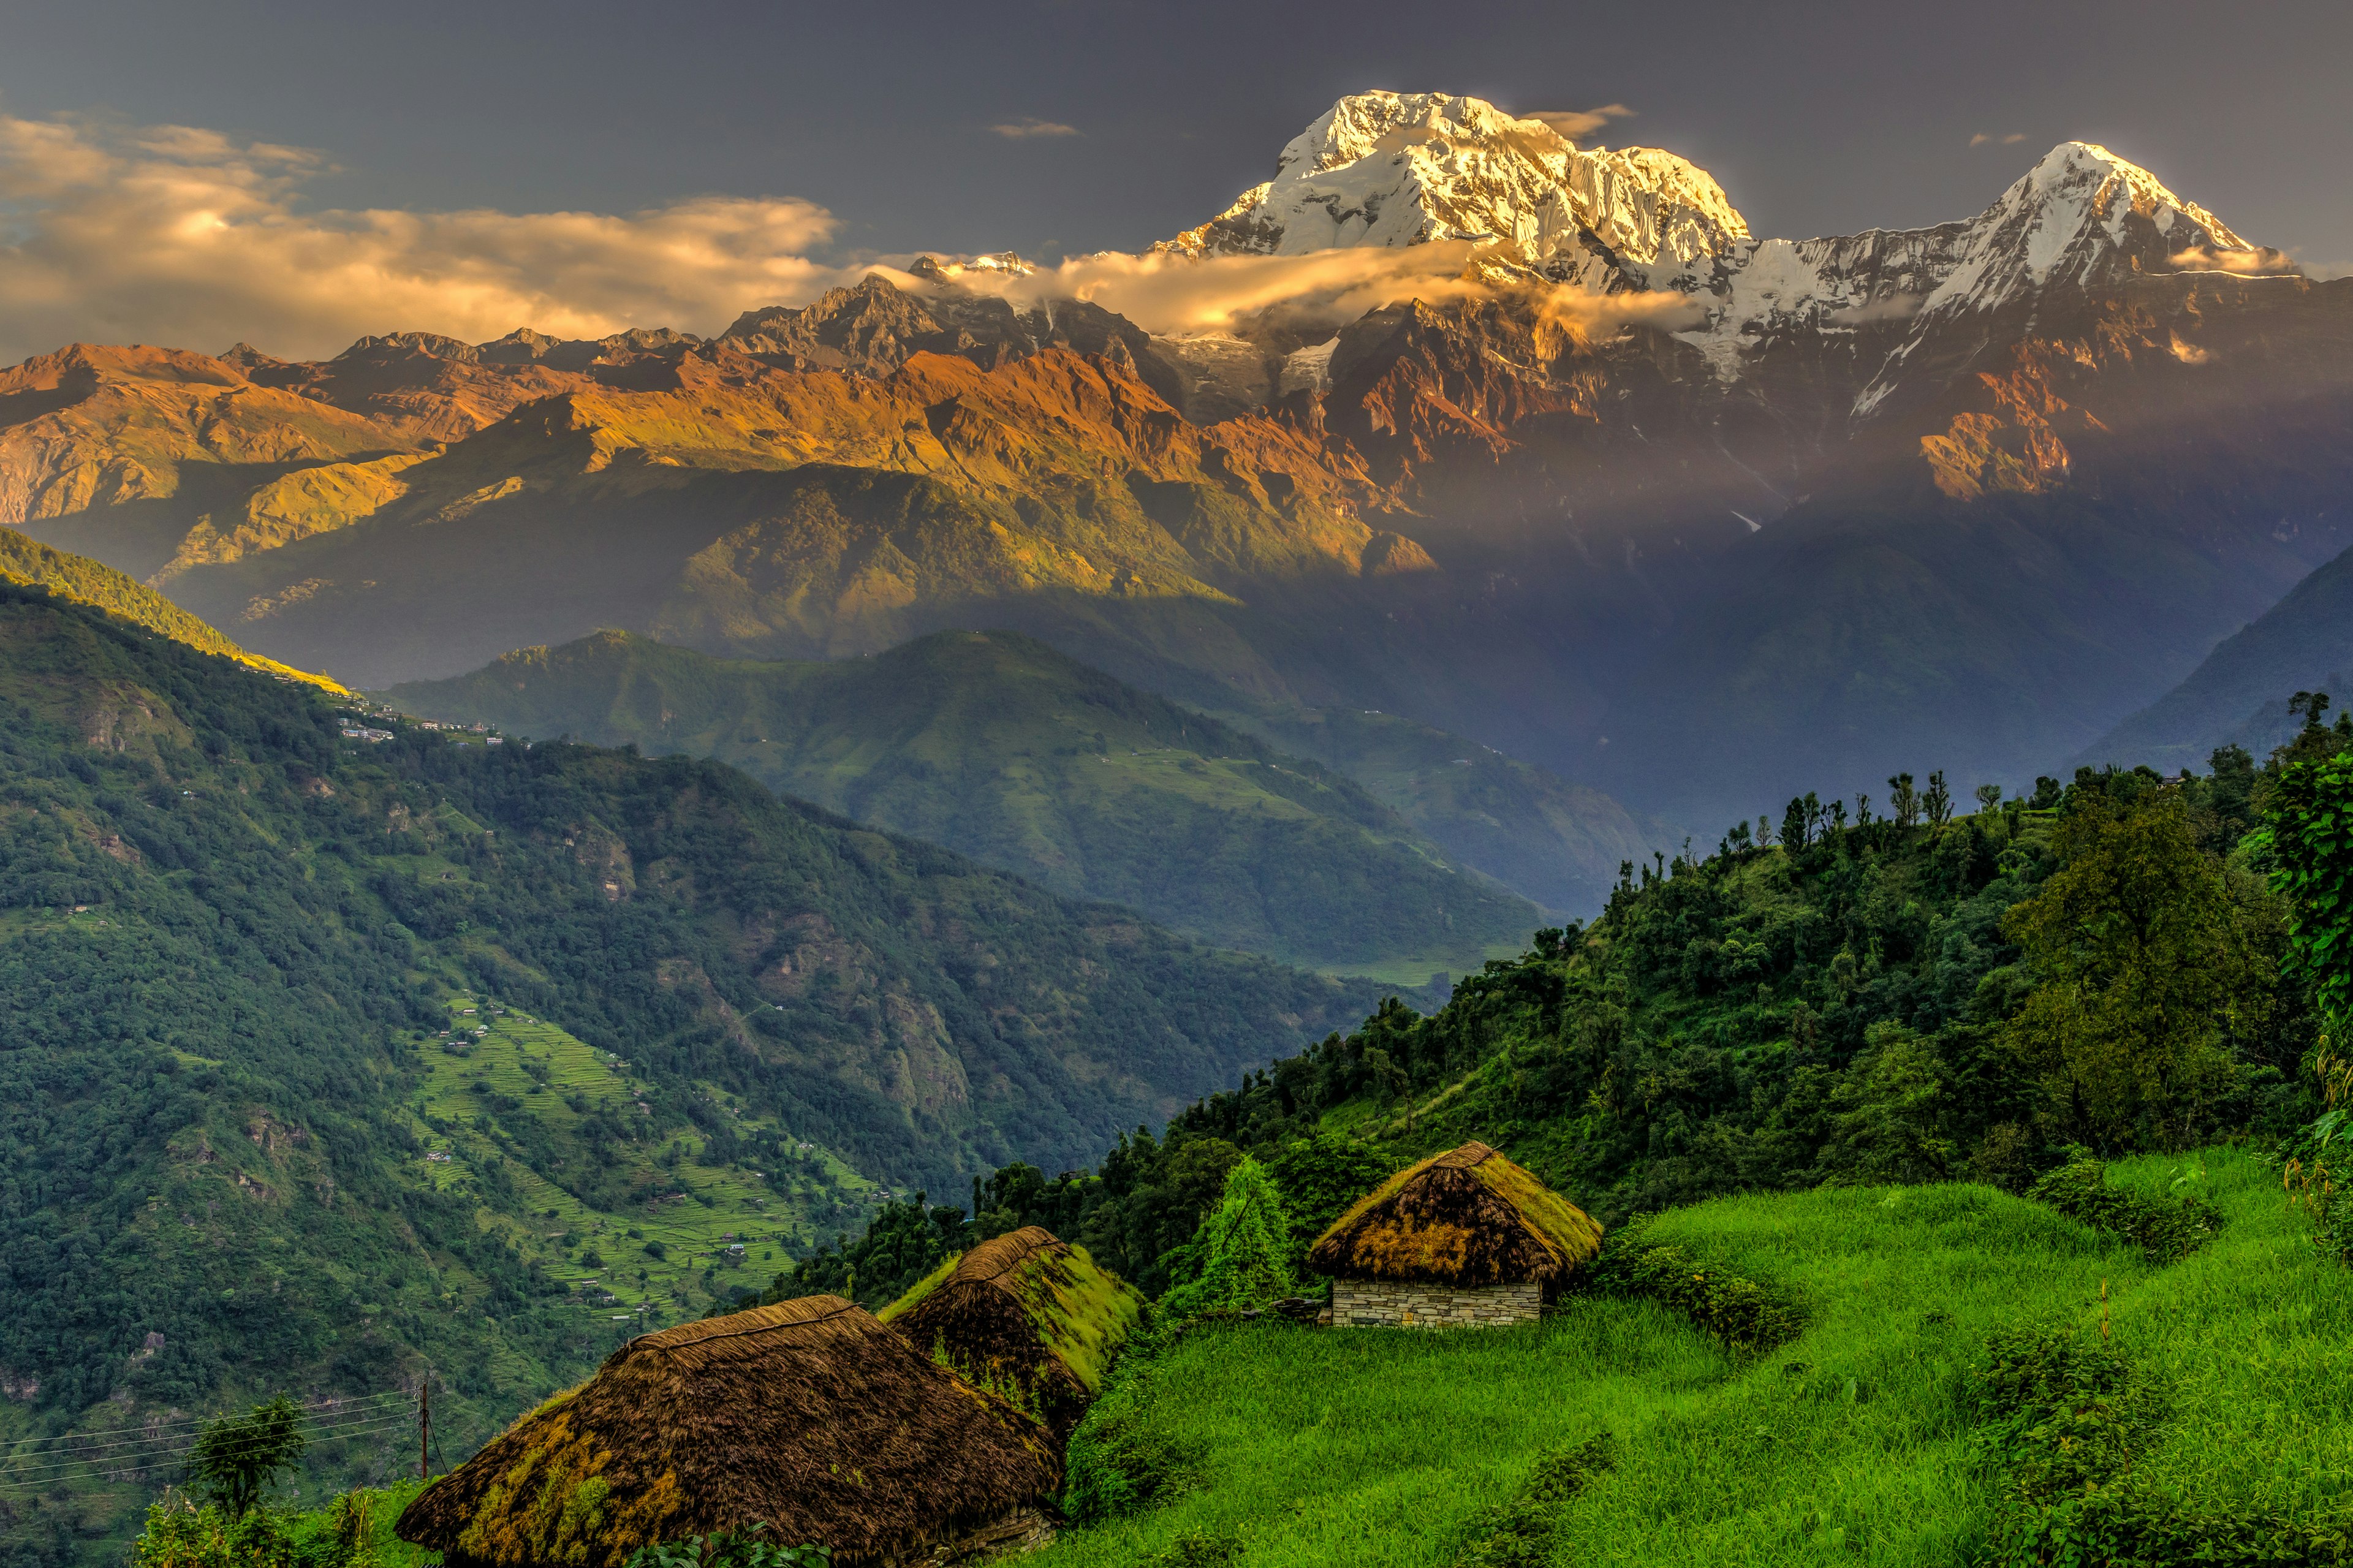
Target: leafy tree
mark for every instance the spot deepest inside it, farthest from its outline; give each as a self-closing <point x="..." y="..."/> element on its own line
<point x="1794" y="825"/>
<point x="237" y="1457"/>
<point x="1904" y="800"/>
<point x="2132" y="939"/>
<point x="1938" y="802"/>
<point x="2308" y="831"/>
<point x="1240" y="1258"/>
<point x="1319" y="1177"/>
<point x="1989" y="797"/>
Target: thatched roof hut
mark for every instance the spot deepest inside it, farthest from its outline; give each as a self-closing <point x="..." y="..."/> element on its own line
<point x="1027" y="1316"/>
<point x="808" y="1414"/>
<point x="1466" y="1220"/>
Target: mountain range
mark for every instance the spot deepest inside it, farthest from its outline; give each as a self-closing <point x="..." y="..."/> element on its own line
<point x="1527" y="442"/>
<point x="998" y="747"/>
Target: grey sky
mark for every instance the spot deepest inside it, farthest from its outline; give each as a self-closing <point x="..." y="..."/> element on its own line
<point x="1816" y="118"/>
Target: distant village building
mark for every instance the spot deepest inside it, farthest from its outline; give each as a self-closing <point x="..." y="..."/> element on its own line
<point x="1465" y="1239"/>
<point x="808" y="1416"/>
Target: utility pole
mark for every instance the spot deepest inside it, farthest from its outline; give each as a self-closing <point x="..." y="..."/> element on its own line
<point x="424" y="1425"/>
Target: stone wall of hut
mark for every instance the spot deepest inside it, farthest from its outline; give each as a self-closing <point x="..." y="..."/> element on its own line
<point x="1367" y="1303"/>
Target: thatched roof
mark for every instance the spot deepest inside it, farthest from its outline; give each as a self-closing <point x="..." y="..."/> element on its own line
<point x="808" y="1414"/>
<point x="1467" y="1217"/>
<point x="1026" y="1315"/>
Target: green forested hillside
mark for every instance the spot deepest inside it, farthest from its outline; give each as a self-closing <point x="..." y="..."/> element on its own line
<point x="997" y="746"/>
<point x="231" y="939"/>
<point x="24" y="559"/>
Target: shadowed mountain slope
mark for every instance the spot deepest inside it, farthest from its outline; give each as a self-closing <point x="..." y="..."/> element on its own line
<point x="1000" y="748"/>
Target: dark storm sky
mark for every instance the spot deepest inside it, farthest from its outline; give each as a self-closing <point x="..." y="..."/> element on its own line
<point x="1816" y="118"/>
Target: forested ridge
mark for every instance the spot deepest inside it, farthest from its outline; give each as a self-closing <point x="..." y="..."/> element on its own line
<point x="229" y="938"/>
<point x="1898" y="992"/>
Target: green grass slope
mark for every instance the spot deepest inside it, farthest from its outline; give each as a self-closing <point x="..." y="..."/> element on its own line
<point x="231" y="939"/>
<point x="1856" y="1442"/>
<point x="997" y="746"/>
<point x="25" y="560"/>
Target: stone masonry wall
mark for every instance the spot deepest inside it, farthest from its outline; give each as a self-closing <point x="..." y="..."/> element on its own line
<point x="1364" y="1303"/>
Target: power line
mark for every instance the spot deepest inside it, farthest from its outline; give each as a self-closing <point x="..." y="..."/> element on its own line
<point x="176" y="1430"/>
<point x="152" y="1459"/>
<point x="330" y="1407"/>
<point x="166" y="1439"/>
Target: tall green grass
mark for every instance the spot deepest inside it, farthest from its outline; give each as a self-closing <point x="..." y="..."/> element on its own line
<point x="1852" y="1443"/>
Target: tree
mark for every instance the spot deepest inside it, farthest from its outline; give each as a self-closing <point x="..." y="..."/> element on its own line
<point x="1904" y="800"/>
<point x="1938" y="802"/>
<point x="2309" y="828"/>
<point x="1794" y="836"/>
<point x="237" y="1457"/>
<point x="1240" y="1258"/>
<point x="2309" y="706"/>
<point x="1989" y="797"/>
<point x="1319" y="1177"/>
<point x="2134" y="945"/>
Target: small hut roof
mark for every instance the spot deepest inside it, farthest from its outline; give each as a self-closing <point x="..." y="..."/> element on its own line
<point x="808" y="1414"/>
<point x="1467" y="1217"/>
<point x="1025" y="1314"/>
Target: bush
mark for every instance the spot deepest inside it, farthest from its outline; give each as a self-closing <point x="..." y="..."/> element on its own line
<point x="1738" y="1310"/>
<point x="1118" y="1462"/>
<point x="2166" y="1229"/>
<point x="1520" y="1533"/>
<point x="2067" y="1418"/>
<point x="179" y="1534"/>
<point x="739" y="1548"/>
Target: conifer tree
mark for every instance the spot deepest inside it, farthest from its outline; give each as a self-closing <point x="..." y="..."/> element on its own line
<point x="1241" y="1253"/>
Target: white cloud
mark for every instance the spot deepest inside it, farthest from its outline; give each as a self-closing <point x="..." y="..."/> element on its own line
<point x="1169" y="293"/>
<point x="1576" y="124"/>
<point x="1023" y="129"/>
<point x="2011" y="140"/>
<point x="181" y="235"/>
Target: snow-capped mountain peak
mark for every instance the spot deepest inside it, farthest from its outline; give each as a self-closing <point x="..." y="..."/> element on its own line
<point x="1393" y="169"/>
<point x="2077" y="213"/>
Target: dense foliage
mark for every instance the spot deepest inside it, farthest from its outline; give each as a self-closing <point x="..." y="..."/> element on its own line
<point x="227" y="937"/>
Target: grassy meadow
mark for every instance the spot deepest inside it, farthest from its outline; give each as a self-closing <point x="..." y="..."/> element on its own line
<point x="1854" y="1442"/>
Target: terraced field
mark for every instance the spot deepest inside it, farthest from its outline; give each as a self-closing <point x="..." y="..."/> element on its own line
<point x="553" y="1135"/>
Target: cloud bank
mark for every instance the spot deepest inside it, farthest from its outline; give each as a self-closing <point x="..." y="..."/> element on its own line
<point x="2255" y="261"/>
<point x="176" y="236"/>
<point x="1177" y="295"/>
<point x="180" y="236"/>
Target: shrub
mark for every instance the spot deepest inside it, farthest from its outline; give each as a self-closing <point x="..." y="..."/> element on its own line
<point x="724" y="1549"/>
<point x="1118" y="1462"/>
<point x="2166" y="1229"/>
<point x="1520" y="1533"/>
<point x="179" y="1534"/>
<point x="2067" y="1418"/>
<point x="1743" y="1313"/>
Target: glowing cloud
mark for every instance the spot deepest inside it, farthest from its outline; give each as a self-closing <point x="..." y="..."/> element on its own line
<point x="2255" y="261"/>
<point x="1576" y="124"/>
<point x="1023" y="129"/>
<point x="1177" y="295"/>
<point x="2011" y="140"/>
<point x="181" y="235"/>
